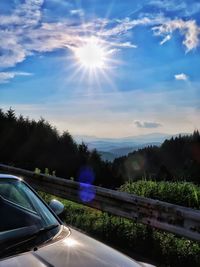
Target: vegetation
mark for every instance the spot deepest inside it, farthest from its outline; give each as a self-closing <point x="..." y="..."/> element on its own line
<point x="177" y="159"/>
<point x="163" y="248"/>
<point x="185" y="194"/>
<point x="28" y="143"/>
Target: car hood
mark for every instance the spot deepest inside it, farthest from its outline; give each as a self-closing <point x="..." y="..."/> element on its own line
<point x="76" y="250"/>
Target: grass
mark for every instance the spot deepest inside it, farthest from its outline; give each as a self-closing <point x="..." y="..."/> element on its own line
<point x="164" y="248"/>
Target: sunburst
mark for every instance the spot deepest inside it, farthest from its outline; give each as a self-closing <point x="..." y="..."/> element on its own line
<point x="92" y="55"/>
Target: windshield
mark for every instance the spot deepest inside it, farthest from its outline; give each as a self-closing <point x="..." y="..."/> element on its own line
<point x="23" y="213"/>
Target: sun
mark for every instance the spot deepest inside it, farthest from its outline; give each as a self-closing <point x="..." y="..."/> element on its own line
<point x="91" y="55"/>
<point x="93" y="62"/>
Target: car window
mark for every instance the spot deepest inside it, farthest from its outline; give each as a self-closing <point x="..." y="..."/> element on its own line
<point x="15" y="195"/>
<point x="18" y="193"/>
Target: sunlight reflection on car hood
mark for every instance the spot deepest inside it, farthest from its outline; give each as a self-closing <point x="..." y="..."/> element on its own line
<point x="70" y="242"/>
<point x="75" y="250"/>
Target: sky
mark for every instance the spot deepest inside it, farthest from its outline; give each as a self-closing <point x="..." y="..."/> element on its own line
<point x="102" y="68"/>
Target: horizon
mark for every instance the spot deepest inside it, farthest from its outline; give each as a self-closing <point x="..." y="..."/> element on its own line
<point x="132" y="136"/>
<point x="112" y="69"/>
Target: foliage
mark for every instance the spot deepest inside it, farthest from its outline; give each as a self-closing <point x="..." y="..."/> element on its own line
<point x="177" y="159"/>
<point x="28" y="143"/>
<point x="181" y="193"/>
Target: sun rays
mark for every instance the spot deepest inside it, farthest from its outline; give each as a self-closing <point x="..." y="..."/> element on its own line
<point x="92" y="55"/>
<point x="93" y="62"/>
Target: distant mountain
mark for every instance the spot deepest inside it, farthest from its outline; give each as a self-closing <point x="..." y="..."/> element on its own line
<point x="145" y="138"/>
<point x="111" y="148"/>
<point x="123" y="151"/>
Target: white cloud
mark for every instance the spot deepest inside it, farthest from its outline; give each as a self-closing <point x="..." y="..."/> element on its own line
<point x="12" y="52"/>
<point x="147" y="124"/>
<point x="23" y="33"/>
<point x="162" y="26"/>
<point x="78" y="12"/>
<point x="5" y="77"/>
<point x="125" y="25"/>
<point x="188" y="28"/>
<point x="13" y="30"/>
<point x="183" y="8"/>
<point x="169" y="5"/>
<point x="181" y="76"/>
<point x="27" y="14"/>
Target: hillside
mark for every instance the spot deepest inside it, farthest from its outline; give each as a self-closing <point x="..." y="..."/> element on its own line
<point x="176" y="159"/>
<point x="33" y="144"/>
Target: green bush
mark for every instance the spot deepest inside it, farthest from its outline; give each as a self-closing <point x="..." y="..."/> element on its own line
<point x="181" y="193"/>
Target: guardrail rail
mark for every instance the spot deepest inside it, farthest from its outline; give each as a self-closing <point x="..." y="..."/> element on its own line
<point x="172" y="218"/>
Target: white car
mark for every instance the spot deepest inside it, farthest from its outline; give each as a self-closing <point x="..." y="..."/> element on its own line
<point x="32" y="235"/>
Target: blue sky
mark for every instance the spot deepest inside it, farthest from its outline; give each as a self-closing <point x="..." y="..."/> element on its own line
<point x="149" y="81"/>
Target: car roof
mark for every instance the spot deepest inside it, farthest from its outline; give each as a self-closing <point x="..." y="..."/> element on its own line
<point x="8" y="176"/>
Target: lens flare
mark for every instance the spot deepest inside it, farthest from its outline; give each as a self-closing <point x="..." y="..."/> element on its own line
<point x="86" y="178"/>
<point x="87" y="192"/>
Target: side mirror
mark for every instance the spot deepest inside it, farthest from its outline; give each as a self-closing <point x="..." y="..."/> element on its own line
<point x="56" y="206"/>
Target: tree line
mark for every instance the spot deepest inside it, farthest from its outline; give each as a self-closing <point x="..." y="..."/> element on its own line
<point x="31" y="144"/>
<point x="177" y="159"/>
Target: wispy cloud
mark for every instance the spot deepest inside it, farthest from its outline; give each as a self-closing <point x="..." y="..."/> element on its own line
<point x="12" y="29"/>
<point x="147" y="124"/>
<point x="181" y="76"/>
<point x="161" y="26"/>
<point x="189" y="29"/>
<point x="125" y="25"/>
<point x="5" y="77"/>
<point x="23" y="33"/>
<point x="169" y="5"/>
<point x="27" y="14"/>
<point x="184" y="8"/>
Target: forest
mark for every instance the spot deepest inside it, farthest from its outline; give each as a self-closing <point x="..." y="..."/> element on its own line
<point x="177" y="159"/>
<point x="31" y="144"/>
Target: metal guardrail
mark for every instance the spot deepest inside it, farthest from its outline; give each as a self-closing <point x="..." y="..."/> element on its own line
<point x="172" y="218"/>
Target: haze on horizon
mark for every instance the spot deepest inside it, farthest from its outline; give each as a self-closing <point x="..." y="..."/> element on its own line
<point x="102" y="68"/>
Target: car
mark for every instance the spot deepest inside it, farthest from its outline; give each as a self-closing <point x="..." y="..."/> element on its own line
<point x="32" y="234"/>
